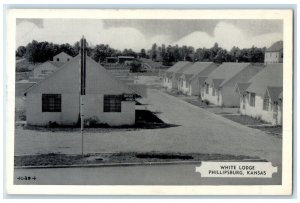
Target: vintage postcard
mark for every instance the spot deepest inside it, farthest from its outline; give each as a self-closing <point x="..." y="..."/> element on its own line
<point x="149" y="102"/>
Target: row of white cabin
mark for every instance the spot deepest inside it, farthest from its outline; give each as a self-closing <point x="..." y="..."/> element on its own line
<point x="255" y="88"/>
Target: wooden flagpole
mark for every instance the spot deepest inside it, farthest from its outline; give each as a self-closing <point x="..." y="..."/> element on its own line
<point x="82" y="90"/>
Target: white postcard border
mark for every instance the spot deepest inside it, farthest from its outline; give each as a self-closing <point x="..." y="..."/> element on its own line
<point x="284" y="189"/>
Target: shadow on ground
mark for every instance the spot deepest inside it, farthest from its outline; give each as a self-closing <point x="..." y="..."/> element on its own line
<point x="145" y="119"/>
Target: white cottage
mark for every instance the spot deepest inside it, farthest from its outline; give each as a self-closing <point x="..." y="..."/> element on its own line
<point x="264" y="95"/>
<point x="274" y="54"/>
<point x="56" y="98"/>
<point x="240" y="89"/>
<point x="62" y="57"/>
<point x="48" y="67"/>
<point x="45" y="69"/>
<point x="189" y="80"/>
<point x="169" y="79"/>
<point x="220" y="84"/>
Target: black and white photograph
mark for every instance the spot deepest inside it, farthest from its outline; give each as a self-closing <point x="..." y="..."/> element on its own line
<point x="150" y="98"/>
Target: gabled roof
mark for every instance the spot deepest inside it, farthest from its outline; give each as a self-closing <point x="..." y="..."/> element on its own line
<point x="169" y="74"/>
<point x="226" y="71"/>
<point x="179" y="72"/>
<point x="274" y="93"/>
<point x="202" y="80"/>
<point x="177" y="66"/>
<point x="99" y="80"/>
<point x="206" y="71"/>
<point x="45" y="64"/>
<point x="187" y="77"/>
<point x="62" y="54"/>
<point x="126" y="57"/>
<point x="196" y="68"/>
<point x="241" y="88"/>
<point x="217" y="82"/>
<point x="56" y="63"/>
<point x="277" y="46"/>
<point x="178" y="75"/>
<point x="271" y="75"/>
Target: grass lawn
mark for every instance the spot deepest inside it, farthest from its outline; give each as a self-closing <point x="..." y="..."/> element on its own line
<point x="25" y="65"/>
<point x="257" y="124"/>
<point x="245" y="120"/>
<point x="54" y="159"/>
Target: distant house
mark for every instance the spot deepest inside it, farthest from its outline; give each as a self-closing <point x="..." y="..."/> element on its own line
<point x="45" y="69"/>
<point x="169" y="79"/>
<point x="56" y="98"/>
<point x="62" y="57"/>
<point x="189" y="80"/>
<point x="48" y="67"/>
<point x="123" y="59"/>
<point x="219" y="85"/>
<point x="274" y="54"/>
<point x="111" y="59"/>
<point x="264" y="95"/>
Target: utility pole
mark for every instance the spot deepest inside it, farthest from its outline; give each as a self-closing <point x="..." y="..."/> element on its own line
<point x="82" y="88"/>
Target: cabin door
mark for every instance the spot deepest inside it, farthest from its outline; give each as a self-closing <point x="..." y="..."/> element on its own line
<point x="275" y="113"/>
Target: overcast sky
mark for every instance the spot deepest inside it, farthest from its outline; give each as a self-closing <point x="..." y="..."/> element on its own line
<point x="138" y="34"/>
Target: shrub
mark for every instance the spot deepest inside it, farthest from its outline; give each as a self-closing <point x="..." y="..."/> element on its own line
<point x="21" y="115"/>
<point x="53" y="124"/>
<point x="135" y="66"/>
<point x="206" y="101"/>
<point x="91" y="122"/>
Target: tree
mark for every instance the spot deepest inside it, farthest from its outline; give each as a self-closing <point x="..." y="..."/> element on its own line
<point x="76" y="47"/>
<point x="176" y="53"/>
<point x="67" y="48"/>
<point x="100" y="52"/>
<point x="214" y="51"/>
<point x="202" y="54"/>
<point x="153" y="52"/>
<point x="32" y="51"/>
<point x="256" y="55"/>
<point x="222" y="56"/>
<point x="234" y="53"/>
<point x="143" y="53"/>
<point x="21" y="51"/>
<point x="129" y="52"/>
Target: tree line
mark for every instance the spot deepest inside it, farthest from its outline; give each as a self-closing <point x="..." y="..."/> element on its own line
<point x="43" y="51"/>
<point x="216" y="54"/>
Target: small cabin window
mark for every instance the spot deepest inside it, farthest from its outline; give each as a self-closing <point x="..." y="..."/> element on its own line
<point x="68" y="59"/>
<point x="252" y="99"/>
<point x="112" y="103"/>
<point x="57" y="59"/>
<point x="51" y="102"/>
<point x="266" y="103"/>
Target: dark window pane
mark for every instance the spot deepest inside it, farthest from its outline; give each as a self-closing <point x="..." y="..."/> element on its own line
<point x="112" y="103"/>
<point x="51" y="103"/>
